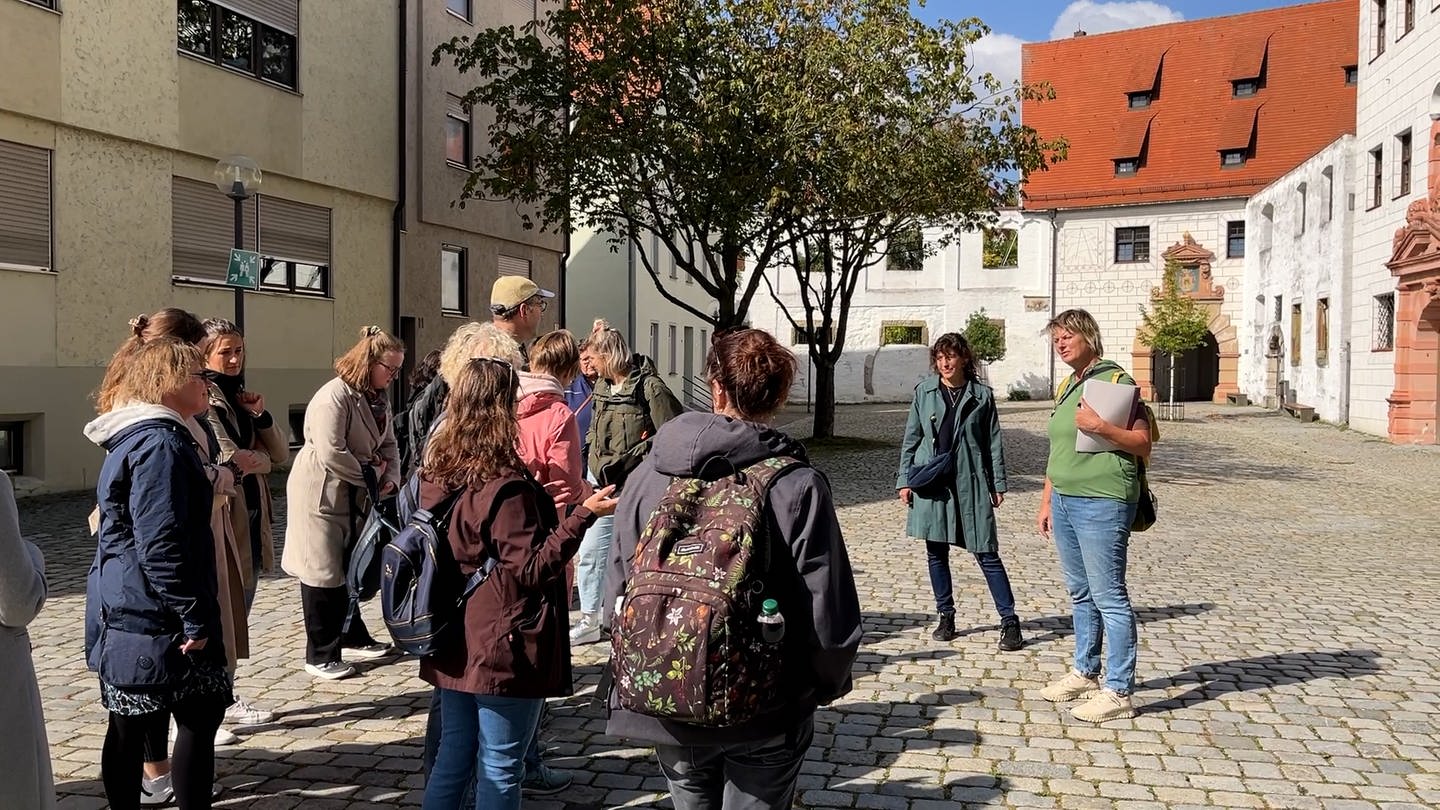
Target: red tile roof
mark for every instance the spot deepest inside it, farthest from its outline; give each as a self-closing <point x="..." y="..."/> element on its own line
<point x="1302" y="106"/>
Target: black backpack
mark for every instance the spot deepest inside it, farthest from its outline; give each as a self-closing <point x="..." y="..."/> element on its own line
<point x="362" y="569"/>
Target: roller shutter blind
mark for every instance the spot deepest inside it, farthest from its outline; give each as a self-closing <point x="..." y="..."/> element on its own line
<point x="511" y="266"/>
<point x="202" y="229"/>
<point x="25" y="222"/>
<point x="282" y="15"/>
<point x="292" y="230"/>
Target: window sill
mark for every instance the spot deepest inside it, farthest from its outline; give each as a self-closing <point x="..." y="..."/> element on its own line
<point x="1383" y="350"/>
<point x="461" y="166"/>
<point x="278" y="293"/>
<point x="1402" y="195"/>
<point x="468" y="22"/>
<point x="1372" y="207"/>
<point x="28" y="268"/>
<point x="54" y="11"/>
<point x="451" y="313"/>
<point x="240" y="73"/>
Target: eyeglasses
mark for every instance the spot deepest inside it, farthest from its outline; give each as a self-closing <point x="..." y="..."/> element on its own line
<point x="539" y="302"/>
<point x="392" y="369"/>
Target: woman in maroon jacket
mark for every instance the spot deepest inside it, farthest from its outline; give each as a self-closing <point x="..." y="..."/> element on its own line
<point x="514" y="652"/>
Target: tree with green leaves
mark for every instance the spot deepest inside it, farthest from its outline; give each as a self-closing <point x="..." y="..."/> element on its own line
<point x="986" y="337"/>
<point x="1174" y="324"/>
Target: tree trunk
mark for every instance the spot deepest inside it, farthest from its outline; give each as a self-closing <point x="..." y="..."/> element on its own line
<point x="824" y="397"/>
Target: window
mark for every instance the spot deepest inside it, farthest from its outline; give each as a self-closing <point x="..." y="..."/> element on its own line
<point x="1132" y="244"/>
<point x="1328" y="175"/>
<point x="12" y="447"/>
<point x="1379" y="28"/>
<point x="50" y="4"/>
<point x="1232" y="158"/>
<point x="1383" y="335"/>
<point x="1408" y="23"/>
<point x="511" y="266"/>
<point x="1403" y="147"/>
<point x="1279" y="306"/>
<point x="1267" y="232"/>
<point x="452" y="280"/>
<point x="1322" y="331"/>
<point x="457" y="132"/>
<point x="1244" y="88"/>
<point x="1125" y="167"/>
<point x="704" y="346"/>
<point x="906" y="252"/>
<point x="258" y="40"/>
<point x="1295" y="327"/>
<point x="25" y="207"/>
<point x="1352" y="75"/>
<point x="1235" y="240"/>
<point x="673" y="344"/>
<point x="1139" y="101"/>
<point x="293" y="238"/>
<point x="1302" y="207"/>
<point x="1377" y="176"/>
<point x="460" y="8"/>
<point x="1002" y="248"/>
<point x="654" y="340"/>
<point x="906" y="333"/>
<point x="806" y="337"/>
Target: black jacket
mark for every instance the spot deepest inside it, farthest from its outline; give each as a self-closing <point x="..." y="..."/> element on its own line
<point x="811" y="569"/>
<point x="412" y="425"/>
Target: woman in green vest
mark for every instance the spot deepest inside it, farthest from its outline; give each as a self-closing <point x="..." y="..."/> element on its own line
<point x="1088" y="504"/>
<point x="952" y="476"/>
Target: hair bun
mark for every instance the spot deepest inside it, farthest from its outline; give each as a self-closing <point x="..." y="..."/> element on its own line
<point x="138" y="324"/>
<point x="370" y="331"/>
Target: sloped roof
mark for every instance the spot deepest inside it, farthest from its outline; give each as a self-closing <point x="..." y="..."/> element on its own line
<point x="1303" y="105"/>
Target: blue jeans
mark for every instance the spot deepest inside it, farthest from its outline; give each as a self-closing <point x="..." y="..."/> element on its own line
<point x="591" y="561"/>
<point x="1092" y="536"/>
<point x="483" y="739"/>
<point x="938" y="556"/>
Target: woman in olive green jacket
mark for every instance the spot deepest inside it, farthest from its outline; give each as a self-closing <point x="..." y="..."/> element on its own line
<point x="953" y="412"/>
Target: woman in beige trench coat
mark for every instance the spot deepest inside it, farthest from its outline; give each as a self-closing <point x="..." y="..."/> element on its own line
<point x="348" y="426"/>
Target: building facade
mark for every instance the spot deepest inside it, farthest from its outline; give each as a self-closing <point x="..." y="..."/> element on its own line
<point x="1171" y="128"/>
<point x="1394" y="322"/>
<point x="908" y="298"/>
<point x="1297" y="299"/>
<point x="110" y="127"/>
<point x="452" y="254"/>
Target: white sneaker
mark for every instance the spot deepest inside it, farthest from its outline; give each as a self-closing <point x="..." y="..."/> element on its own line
<point x="243" y="713"/>
<point x="1073" y="686"/>
<point x="587" y="630"/>
<point x="369" y="652"/>
<point x="333" y="671"/>
<point x="224" y="736"/>
<point x="157" y="791"/>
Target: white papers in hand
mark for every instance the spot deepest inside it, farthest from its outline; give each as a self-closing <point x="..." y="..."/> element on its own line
<point x="1114" y="403"/>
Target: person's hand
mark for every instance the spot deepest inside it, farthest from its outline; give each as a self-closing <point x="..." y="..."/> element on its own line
<point x="997" y="498"/>
<point x="190" y="645"/>
<point x="387" y="488"/>
<point x="1042" y="521"/>
<point x="1087" y="419"/>
<point x="906" y="496"/>
<point x="600" y="503"/>
<point x="247" y="460"/>
<point x="253" y="402"/>
<point x="380" y="465"/>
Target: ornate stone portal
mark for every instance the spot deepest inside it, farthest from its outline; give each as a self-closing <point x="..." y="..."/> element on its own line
<point x="1415" y="263"/>
<point x="1198" y="282"/>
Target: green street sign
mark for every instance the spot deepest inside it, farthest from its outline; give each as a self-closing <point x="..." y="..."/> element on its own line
<point x="244" y="270"/>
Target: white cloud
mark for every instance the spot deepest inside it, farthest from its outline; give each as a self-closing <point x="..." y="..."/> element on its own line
<point x="1097" y="18"/>
<point x="998" y="54"/>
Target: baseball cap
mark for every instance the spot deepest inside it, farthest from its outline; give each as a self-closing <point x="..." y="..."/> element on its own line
<point x="512" y="291"/>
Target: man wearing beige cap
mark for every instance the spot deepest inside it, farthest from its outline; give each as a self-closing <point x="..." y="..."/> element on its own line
<point x="516" y="305"/>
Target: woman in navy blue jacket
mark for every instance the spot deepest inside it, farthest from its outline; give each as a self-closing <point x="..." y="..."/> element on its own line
<point x="152" y="628"/>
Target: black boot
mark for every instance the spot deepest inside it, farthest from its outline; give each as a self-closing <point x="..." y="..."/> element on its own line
<point x="946" y="629"/>
<point x="1010" y="639"/>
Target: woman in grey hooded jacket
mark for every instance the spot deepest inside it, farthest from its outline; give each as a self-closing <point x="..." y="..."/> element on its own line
<point x="25" y="777"/>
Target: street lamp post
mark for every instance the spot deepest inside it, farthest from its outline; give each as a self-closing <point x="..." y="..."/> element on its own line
<point x="238" y="177"/>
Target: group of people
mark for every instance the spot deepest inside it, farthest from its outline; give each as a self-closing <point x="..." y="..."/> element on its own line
<point x="493" y="434"/>
<point x="952" y="479"/>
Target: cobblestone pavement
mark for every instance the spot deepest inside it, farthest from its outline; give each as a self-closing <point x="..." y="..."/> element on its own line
<point x="1288" y="651"/>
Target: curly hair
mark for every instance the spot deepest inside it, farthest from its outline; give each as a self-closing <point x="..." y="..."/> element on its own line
<point x="956" y="344"/>
<point x="473" y="340"/>
<point x="476" y="442"/>
<point x="754" y="370"/>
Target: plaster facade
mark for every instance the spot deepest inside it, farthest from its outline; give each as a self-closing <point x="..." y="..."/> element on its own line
<point x="1399" y="93"/>
<point x="950" y="284"/>
<point x="120" y="111"/>
<point x="1089" y="277"/>
<point x="1300" y="256"/>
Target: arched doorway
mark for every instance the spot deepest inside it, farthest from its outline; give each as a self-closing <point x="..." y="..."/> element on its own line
<point x="1197" y="373"/>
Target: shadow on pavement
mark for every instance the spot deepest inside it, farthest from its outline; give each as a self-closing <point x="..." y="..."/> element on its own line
<point x="881" y="626"/>
<point x="1213" y="680"/>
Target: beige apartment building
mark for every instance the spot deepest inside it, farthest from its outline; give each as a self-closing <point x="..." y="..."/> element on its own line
<point x="112" y="117"/>
<point x="452" y="255"/>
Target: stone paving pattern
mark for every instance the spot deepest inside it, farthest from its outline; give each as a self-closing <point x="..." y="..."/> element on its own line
<point x="1288" y="651"/>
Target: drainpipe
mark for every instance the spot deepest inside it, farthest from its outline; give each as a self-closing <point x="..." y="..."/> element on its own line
<point x="1054" y="283"/>
<point x="397" y="224"/>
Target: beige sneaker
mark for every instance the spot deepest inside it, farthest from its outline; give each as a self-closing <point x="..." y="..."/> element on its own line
<point x="1103" y="707"/>
<point x="1071" y="687"/>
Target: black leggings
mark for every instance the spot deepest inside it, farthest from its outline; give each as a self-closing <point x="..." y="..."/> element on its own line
<point x="130" y="740"/>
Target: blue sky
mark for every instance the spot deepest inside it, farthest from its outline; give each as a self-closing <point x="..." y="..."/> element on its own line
<point x="1016" y="21"/>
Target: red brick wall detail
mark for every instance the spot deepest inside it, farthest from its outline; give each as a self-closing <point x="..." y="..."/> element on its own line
<point x="1415" y="262"/>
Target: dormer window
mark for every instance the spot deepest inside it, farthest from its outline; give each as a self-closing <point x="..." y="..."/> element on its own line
<point x="1233" y="158"/>
<point x="1127" y="167"/>
<point x="1141" y="100"/>
<point x="1244" y="88"/>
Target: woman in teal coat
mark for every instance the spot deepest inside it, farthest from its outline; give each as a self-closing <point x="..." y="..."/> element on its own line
<point x="952" y="476"/>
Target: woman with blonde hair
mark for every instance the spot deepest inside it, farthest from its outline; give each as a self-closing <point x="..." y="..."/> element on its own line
<point x="468" y="341"/>
<point x="511" y="652"/>
<point x="1089" y="504"/>
<point x="631" y="403"/>
<point x="153" y="620"/>
<point x="348" y="429"/>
